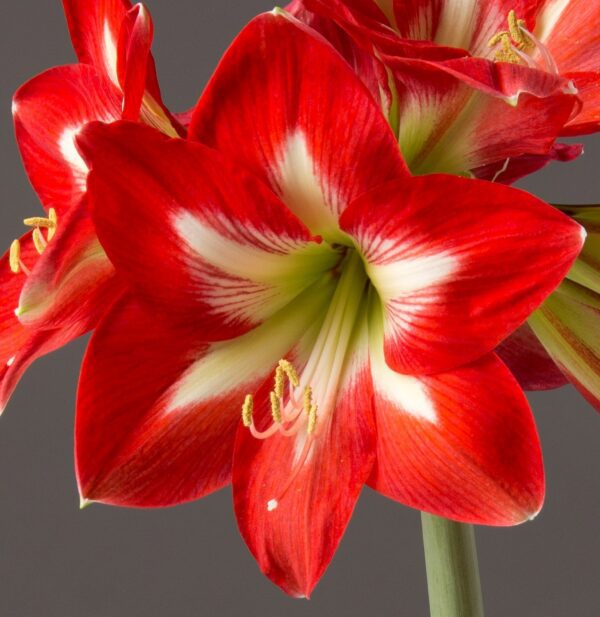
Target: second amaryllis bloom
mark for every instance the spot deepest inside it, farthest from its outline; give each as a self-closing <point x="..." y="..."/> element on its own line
<point x="307" y="317"/>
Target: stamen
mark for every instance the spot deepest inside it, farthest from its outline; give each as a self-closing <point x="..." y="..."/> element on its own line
<point x="247" y="409"/>
<point x="14" y="257"/>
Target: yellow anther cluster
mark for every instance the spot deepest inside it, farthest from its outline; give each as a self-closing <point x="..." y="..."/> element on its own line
<point x="514" y="37"/>
<point x="40" y="241"/>
<point x="276" y="398"/>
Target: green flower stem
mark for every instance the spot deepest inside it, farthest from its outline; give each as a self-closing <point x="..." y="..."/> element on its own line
<point x="452" y="570"/>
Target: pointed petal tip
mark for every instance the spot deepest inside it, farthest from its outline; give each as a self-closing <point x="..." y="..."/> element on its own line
<point x="84" y="503"/>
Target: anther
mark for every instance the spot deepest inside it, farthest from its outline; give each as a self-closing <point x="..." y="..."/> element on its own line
<point x="39" y="221"/>
<point x="515" y="27"/>
<point x="276" y="408"/>
<point x="312" y="420"/>
<point x="14" y="257"/>
<point x="39" y="241"/>
<point x="247" y="410"/>
<point x="307" y="399"/>
<point x="278" y="387"/>
<point x="290" y="371"/>
<point x="53" y="218"/>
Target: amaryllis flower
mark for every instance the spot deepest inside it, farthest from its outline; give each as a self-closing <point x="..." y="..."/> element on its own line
<point x="56" y="280"/>
<point x="441" y="130"/>
<point x="307" y="317"/>
<point x="480" y="110"/>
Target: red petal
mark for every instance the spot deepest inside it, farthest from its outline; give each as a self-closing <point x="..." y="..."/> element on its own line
<point x="94" y="28"/>
<point x="511" y="170"/>
<point x="461" y="445"/>
<point x="49" y="111"/>
<point x="459" y="115"/>
<point x="68" y="289"/>
<point x="588" y="91"/>
<point x="158" y="408"/>
<point x="370" y="27"/>
<point x="135" y="41"/>
<point x="569" y="31"/>
<point x="292" y="512"/>
<point x="459" y="264"/>
<point x="309" y="125"/>
<point x="529" y="362"/>
<point x="202" y="238"/>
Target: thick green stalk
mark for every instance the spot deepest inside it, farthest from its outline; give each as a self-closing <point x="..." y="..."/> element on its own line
<point x="452" y="570"/>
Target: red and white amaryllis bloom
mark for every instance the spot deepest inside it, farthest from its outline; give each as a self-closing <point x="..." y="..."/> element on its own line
<point x="307" y="309"/>
<point x="56" y="280"/>
<point x="492" y="111"/>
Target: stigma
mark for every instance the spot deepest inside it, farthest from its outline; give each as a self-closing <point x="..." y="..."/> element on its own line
<point x="41" y="225"/>
<point x="516" y="45"/>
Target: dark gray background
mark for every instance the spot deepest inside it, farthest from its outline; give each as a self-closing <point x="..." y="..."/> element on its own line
<point x="56" y="561"/>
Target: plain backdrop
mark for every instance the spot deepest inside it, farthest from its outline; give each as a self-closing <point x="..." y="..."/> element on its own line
<point x="57" y="561"/>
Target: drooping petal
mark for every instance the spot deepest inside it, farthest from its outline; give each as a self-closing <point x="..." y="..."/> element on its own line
<point x="275" y="103"/>
<point x="512" y="169"/>
<point x="568" y="325"/>
<point x="49" y="111"/>
<point x="458" y="264"/>
<point x="158" y="408"/>
<point x="72" y="281"/>
<point x="295" y="495"/>
<point x="201" y="237"/>
<point x="529" y="362"/>
<point x="462" y="114"/>
<point x="461" y="444"/>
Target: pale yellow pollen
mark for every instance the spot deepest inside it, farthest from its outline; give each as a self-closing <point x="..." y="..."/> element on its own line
<point x="52" y="216"/>
<point x="247" y="410"/>
<point x="290" y="371"/>
<point x="312" y="419"/>
<point x="278" y="387"/>
<point x="515" y="27"/>
<point x="39" y="221"/>
<point x="307" y="400"/>
<point x="38" y="240"/>
<point x="514" y="37"/>
<point x="276" y="408"/>
<point x="14" y="257"/>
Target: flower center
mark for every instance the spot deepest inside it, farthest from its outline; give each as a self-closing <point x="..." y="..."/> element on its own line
<point x="516" y="44"/>
<point x="40" y="241"/>
<point x="301" y="409"/>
